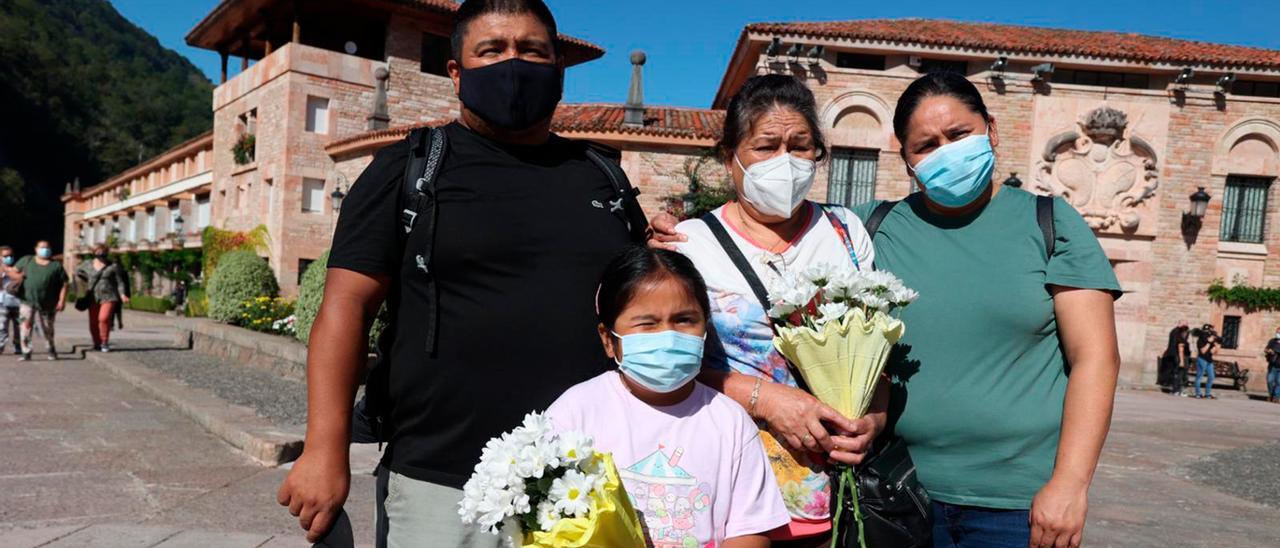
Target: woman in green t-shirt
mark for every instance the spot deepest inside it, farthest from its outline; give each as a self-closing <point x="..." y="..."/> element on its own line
<point x="1004" y="384"/>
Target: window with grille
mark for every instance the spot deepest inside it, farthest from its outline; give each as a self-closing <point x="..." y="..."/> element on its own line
<point x="853" y="176"/>
<point x="943" y="65"/>
<point x="1244" y="209"/>
<point x="1230" y="332"/>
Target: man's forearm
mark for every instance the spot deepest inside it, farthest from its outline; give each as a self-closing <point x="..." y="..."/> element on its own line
<point x="335" y="356"/>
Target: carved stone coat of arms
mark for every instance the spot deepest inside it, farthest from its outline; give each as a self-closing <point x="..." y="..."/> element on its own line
<point x="1101" y="169"/>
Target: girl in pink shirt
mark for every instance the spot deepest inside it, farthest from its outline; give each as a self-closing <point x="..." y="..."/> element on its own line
<point x="689" y="457"/>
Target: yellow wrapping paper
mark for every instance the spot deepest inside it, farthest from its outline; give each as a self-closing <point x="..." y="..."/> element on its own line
<point x="613" y="522"/>
<point x="842" y="362"/>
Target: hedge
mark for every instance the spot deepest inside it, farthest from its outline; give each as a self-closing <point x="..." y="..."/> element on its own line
<point x="310" y="292"/>
<point x="310" y="295"/>
<point x="197" y="302"/>
<point x="147" y="303"/>
<point x="239" y="276"/>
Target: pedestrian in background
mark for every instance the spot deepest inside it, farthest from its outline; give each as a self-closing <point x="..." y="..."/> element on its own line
<point x="44" y="295"/>
<point x="9" y="303"/>
<point x="1206" y="342"/>
<point x="107" y="289"/>
<point x="1272" y="353"/>
<point x="1173" y="364"/>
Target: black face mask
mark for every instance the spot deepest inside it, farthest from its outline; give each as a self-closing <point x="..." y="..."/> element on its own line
<point x="514" y="94"/>
<point x="100" y="256"/>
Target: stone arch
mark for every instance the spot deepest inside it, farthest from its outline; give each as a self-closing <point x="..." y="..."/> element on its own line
<point x="858" y="119"/>
<point x="1250" y="147"/>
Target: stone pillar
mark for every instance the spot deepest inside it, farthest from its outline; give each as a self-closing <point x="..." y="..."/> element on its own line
<point x="633" y="110"/>
<point x="380" y="119"/>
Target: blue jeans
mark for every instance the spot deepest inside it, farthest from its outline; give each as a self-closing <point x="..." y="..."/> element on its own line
<point x="1273" y="382"/>
<point x="1204" y="368"/>
<point x="956" y="526"/>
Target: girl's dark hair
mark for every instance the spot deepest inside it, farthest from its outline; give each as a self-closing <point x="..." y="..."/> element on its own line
<point x="759" y="95"/>
<point x="637" y="265"/>
<point x="947" y="83"/>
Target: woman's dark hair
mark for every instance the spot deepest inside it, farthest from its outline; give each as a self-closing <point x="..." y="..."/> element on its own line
<point x="101" y="248"/>
<point x="637" y="265"/>
<point x="947" y="83"/>
<point x="471" y="10"/>
<point x="759" y="95"/>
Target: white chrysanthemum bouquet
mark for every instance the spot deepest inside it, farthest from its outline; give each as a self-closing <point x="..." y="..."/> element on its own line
<point x="555" y="488"/>
<point x="836" y="326"/>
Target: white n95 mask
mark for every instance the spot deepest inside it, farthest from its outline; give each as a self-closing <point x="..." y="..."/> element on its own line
<point x="777" y="186"/>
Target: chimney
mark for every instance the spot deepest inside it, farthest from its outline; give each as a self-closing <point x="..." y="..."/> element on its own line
<point x="634" y="108"/>
<point x="380" y="119"/>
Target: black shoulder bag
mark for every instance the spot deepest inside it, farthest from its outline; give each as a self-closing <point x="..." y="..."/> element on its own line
<point x="894" y="506"/>
<point x="85" y="301"/>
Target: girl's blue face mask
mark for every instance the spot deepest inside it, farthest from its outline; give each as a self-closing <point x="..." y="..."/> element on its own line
<point x="955" y="174"/>
<point x="663" y="361"/>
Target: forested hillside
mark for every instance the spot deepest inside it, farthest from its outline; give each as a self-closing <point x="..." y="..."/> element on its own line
<point x="83" y="93"/>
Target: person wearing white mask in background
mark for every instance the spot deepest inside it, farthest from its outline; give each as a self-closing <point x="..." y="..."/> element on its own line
<point x="771" y="145"/>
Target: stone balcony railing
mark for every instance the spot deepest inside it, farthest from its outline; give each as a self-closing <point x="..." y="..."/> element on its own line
<point x="298" y="58"/>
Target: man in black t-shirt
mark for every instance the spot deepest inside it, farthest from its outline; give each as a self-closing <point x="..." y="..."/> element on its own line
<point x="523" y="231"/>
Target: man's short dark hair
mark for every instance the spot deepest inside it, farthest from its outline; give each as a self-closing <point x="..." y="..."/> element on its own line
<point x="473" y="9"/>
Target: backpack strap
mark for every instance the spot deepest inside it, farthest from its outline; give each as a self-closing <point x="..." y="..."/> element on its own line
<point x="842" y="231"/>
<point x="427" y="149"/>
<point x="626" y="204"/>
<point x="1044" y="218"/>
<point x="872" y="223"/>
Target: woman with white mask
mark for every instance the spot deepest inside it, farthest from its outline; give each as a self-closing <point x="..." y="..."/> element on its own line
<point x="771" y="145"/>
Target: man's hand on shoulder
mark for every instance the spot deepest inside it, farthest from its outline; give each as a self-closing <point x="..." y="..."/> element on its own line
<point x="663" y="233"/>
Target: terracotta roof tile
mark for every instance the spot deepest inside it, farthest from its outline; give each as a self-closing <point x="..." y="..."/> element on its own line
<point x="1033" y="40"/>
<point x="693" y="123"/>
<point x="688" y="123"/>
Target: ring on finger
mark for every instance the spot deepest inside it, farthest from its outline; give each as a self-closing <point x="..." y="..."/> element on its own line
<point x="807" y="438"/>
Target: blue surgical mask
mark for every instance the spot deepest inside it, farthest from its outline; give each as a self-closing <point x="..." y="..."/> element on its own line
<point x="663" y="361"/>
<point x="8" y="260"/>
<point x="44" y="252"/>
<point x="956" y="173"/>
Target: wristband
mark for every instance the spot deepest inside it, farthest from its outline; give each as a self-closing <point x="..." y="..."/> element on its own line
<point x="755" y="396"/>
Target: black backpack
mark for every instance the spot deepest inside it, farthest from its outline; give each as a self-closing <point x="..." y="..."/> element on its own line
<point x="428" y="149"/>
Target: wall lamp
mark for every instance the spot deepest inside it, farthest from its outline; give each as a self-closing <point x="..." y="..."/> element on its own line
<point x="998" y="67"/>
<point x="1191" y="220"/>
<point x="1184" y="77"/>
<point x="1041" y="72"/>
<point x="773" y="49"/>
<point x="815" y="55"/>
<point x="1225" y="82"/>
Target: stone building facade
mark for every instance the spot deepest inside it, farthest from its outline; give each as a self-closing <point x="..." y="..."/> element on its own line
<point x="1126" y="127"/>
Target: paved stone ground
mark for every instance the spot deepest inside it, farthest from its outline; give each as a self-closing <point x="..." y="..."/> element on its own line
<point x="90" y="461"/>
<point x="282" y="400"/>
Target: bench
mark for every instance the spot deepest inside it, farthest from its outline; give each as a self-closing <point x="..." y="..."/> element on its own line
<point x="1223" y="370"/>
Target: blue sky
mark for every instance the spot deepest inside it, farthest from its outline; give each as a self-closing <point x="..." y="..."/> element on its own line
<point x="689" y="42"/>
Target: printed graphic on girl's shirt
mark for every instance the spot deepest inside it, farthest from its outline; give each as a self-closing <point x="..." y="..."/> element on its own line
<point x="667" y="498"/>
<point x="806" y="488"/>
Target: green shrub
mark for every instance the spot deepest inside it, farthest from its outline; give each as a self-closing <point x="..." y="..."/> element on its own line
<point x="266" y="314"/>
<point x="310" y="292"/>
<point x="197" y="303"/>
<point x="239" y="276"/>
<point x="147" y="303"/>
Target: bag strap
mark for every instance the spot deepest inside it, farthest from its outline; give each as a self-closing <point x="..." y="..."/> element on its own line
<point x="872" y="222"/>
<point x="427" y="150"/>
<point x="626" y="204"/>
<point x="1044" y="217"/>
<point x="753" y="280"/>
<point x="739" y="260"/>
<point x="842" y="231"/>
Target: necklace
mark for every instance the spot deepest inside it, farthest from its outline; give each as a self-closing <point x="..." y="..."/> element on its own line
<point x="779" y="241"/>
